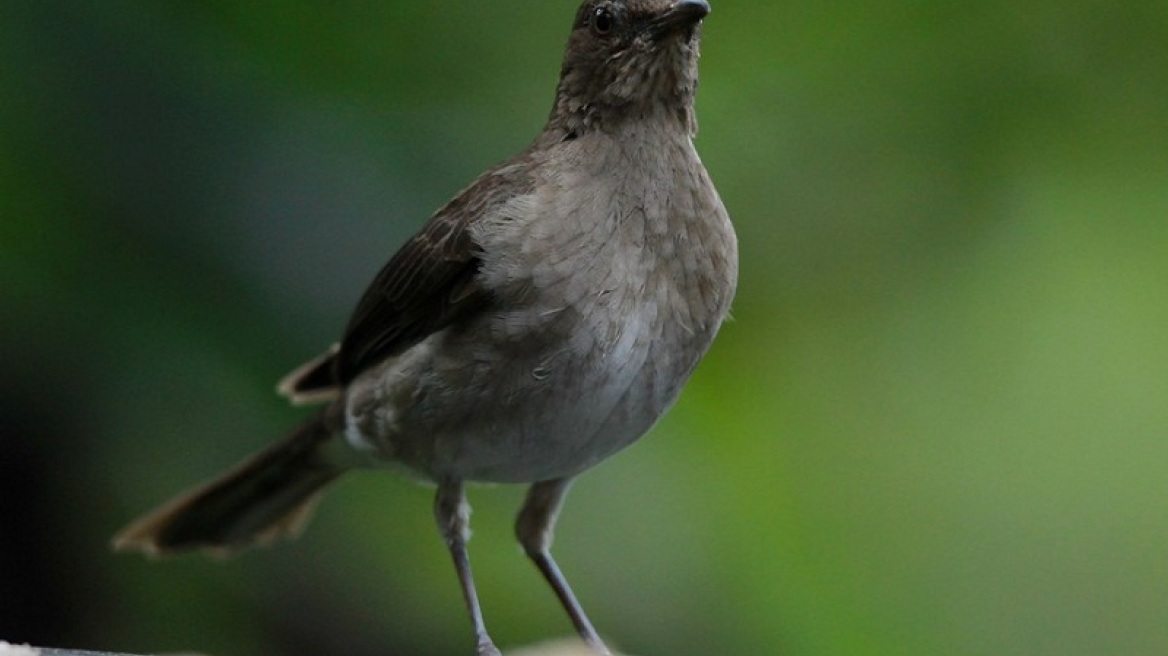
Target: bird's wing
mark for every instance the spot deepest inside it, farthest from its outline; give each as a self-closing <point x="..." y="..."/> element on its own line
<point x="426" y="286"/>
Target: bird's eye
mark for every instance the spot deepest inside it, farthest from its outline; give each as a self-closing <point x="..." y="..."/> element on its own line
<point x="602" y="21"/>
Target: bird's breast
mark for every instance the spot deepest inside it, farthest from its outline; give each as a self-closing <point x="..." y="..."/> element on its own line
<point x="608" y="285"/>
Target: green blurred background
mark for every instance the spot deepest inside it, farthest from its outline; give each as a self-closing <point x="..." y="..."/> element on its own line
<point x="936" y="425"/>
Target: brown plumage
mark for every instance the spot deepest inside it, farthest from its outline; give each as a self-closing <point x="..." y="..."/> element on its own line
<point x="539" y="322"/>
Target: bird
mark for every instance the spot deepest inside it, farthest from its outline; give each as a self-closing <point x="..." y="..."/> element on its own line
<point x="537" y="323"/>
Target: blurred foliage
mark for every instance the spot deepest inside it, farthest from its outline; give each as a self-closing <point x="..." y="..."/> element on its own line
<point x="936" y="425"/>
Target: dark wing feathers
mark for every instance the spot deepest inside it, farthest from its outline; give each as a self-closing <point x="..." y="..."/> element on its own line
<point x="429" y="284"/>
<point x="412" y="296"/>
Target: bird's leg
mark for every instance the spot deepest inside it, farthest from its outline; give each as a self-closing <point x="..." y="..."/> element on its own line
<point x="534" y="528"/>
<point x="453" y="515"/>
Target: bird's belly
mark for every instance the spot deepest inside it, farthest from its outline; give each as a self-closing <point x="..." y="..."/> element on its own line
<point x="544" y="407"/>
<point x="557" y="435"/>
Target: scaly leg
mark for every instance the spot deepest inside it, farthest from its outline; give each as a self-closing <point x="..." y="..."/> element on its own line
<point x="534" y="528"/>
<point x="452" y="513"/>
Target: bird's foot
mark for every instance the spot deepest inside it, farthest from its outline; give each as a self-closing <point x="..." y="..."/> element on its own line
<point x="598" y="647"/>
<point x="487" y="648"/>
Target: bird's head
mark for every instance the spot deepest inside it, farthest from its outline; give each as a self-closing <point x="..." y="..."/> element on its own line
<point x="628" y="59"/>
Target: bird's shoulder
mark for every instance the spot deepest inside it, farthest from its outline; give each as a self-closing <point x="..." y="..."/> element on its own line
<point x="427" y="285"/>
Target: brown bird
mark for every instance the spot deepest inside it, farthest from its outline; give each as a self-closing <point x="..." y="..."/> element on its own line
<point x="539" y="322"/>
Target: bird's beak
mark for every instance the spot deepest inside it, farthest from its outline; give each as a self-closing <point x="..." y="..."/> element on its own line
<point x="680" y="16"/>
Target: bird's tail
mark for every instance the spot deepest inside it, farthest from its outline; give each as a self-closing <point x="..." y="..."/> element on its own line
<point x="266" y="497"/>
